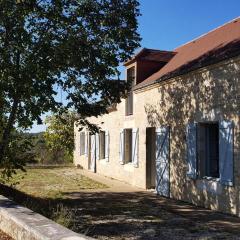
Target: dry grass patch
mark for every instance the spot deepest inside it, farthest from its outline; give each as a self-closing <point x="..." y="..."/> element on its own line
<point x="52" y="182"/>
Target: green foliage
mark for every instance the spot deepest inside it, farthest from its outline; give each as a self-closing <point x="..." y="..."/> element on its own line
<point x="60" y="132"/>
<point x="41" y="151"/>
<point x="43" y="155"/>
<point x="18" y="154"/>
<point x="72" y="45"/>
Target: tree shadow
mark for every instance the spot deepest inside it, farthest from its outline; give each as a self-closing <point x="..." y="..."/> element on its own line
<point x="135" y="215"/>
<point x="210" y="94"/>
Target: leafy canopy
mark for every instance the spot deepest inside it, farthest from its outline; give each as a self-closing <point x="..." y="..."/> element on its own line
<point x="72" y="45"/>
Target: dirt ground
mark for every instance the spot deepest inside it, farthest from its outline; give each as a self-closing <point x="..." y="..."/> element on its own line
<point x="124" y="212"/>
<point x="143" y="215"/>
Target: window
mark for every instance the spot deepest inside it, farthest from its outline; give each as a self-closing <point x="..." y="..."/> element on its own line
<point x="208" y="149"/>
<point x="129" y="104"/>
<point x="102" y="145"/>
<point x="128" y="145"/>
<point x="82" y="143"/>
<point x="129" y="99"/>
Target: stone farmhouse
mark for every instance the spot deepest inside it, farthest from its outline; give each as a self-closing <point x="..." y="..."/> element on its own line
<point x="178" y="131"/>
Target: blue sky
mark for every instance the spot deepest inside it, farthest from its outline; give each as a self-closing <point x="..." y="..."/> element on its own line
<point x="167" y="24"/>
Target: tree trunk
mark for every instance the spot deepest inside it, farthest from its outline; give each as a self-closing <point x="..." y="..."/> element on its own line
<point x="7" y="130"/>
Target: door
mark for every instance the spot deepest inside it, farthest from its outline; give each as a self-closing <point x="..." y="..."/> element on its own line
<point x="162" y="161"/>
<point x="151" y="157"/>
<point x="92" y="165"/>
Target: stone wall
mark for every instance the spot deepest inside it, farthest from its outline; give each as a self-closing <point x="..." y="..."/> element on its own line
<point x="113" y="122"/>
<point x="22" y="224"/>
<point x="208" y="94"/>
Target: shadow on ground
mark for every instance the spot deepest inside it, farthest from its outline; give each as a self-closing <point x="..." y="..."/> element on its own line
<point x="137" y="215"/>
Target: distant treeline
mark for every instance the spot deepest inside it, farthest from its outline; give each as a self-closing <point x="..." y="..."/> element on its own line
<point x="41" y="154"/>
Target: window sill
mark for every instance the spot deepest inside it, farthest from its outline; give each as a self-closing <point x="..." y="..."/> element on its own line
<point x="128" y="167"/>
<point x="103" y="161"/>
<point x="128" y="163"/>
<point x="216" y="180"/>
<point x="212" y="185"/>
<point x="213" y="179"/>
<point x="129" y="117"/>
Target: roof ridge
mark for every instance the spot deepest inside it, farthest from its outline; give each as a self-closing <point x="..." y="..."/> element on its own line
<point x="204" y="34"/>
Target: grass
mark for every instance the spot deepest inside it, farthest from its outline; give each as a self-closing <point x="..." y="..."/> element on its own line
<point x="64" y="216"/>
<point x="52" y="183"/>
<point x="114" y="215"/>
<point x="48" y="191"/>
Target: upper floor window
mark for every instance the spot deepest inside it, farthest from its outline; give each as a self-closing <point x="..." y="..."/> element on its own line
<point x="129" y="99"/>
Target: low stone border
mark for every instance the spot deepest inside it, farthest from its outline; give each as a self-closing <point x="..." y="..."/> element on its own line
<point x="23" y="224"/>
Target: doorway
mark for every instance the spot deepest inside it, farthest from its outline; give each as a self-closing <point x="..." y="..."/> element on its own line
<point x="150" y="157"/>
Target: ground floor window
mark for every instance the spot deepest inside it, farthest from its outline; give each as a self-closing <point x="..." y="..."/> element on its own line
<point x="128" y="145"/>
<point x="128" y="148"/>
<point x="82" y="143"/>
<point x="208" y="149"/>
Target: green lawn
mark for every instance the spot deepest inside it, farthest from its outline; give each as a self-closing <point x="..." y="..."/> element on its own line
<point x="52" y="182"/>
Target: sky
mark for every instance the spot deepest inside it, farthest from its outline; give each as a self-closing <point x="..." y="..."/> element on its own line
<point x="167" y="24"/>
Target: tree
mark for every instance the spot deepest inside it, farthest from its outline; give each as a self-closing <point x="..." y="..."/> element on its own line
<point x="40" y="148"/>
<point x="59" y="135"/>
<point x="17" y="154"/>
<point x="73" y="45"/>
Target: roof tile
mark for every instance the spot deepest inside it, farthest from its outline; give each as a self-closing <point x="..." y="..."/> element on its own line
<point x="215" y="45"/>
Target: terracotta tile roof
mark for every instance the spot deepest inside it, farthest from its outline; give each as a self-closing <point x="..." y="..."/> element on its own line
<point x="219" y="44"/>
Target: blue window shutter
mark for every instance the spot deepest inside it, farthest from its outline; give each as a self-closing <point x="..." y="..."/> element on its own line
<point x="93" y="153"/>
<point x="86" y="144"/>
<point x="107" y="145"/>
<point x="226" y="152"/>
<point x="162" y="161"/>
<point x="97" y="147"/>
<point x="121" y="147"/>
<point x="192" y="150"/>
<point x="135" y="147"/>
